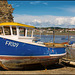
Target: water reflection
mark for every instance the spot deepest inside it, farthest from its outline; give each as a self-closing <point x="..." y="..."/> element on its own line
<point x="58" y="38"/>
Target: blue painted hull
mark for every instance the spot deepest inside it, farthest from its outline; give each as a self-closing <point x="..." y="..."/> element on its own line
<point x="25" y="49"/>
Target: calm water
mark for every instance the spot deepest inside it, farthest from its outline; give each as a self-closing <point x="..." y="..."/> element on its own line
<point x="58" y="38"/>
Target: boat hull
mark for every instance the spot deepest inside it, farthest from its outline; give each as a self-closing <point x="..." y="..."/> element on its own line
<point x="15" y="54"/>
<point x="10" y="62"/>
<point x="71" y="53"/>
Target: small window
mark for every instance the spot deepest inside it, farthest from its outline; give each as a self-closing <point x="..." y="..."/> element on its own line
<point x="14" y="30"/>
<point x="29" y="32"/>
<point x="4" y="17"/>
<point x="22" y="31"/>
<point x="1" y="31"/>
<point x="7" y="30"/>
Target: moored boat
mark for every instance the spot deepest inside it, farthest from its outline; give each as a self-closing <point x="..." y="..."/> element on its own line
<point x="71" y="50"/>
<point x="18" y="49"/>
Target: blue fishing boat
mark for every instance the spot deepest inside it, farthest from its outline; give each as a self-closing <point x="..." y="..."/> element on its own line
<point x="17" y="50"/>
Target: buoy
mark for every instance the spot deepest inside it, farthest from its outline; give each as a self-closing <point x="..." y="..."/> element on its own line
<point x="46" y="69"/>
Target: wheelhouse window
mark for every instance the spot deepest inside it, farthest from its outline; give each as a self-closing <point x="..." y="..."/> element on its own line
<point x="29" y="32"/>
<point x="1" y="31"/>
<point x="21" y="31"/>
<point x="14" y="31"/>
<point x="7" y="30"/>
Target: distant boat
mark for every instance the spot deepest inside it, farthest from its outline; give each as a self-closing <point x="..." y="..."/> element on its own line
<point x="72" y="37"/>
<point x="64" y="38"/>
<point x="71" y="50"/>
<point x="71" y="42"/>
<point x="17" y="51"/>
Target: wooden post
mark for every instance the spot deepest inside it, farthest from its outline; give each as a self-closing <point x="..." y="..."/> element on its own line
<point x="3" y="30"/>
<point x="11" y="30"/>
<point x="40" y="33"/>
<point x="54" y="35"/>
<point x="26" y="33"/>
<point x="32" y="33"/>
<point x="17" y="30"/>
<point x="68" y="35"/>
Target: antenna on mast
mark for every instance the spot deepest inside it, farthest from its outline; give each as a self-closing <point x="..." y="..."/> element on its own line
<point x="68" y="34"/>
<point x="40" y="32"/>
<point x="54" y="35"/>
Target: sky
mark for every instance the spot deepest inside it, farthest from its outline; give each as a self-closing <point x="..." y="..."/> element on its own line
<point x="44" y="13"/>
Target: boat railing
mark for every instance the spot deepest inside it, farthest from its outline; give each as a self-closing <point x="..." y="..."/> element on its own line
<point x="56" y="44"/>
<point x="23" y="37"/>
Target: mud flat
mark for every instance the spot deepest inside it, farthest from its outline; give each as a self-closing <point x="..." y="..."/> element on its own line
<point x="39" y="69"/>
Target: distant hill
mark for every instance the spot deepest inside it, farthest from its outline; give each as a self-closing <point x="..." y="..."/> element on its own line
<point x="50" y="28"/>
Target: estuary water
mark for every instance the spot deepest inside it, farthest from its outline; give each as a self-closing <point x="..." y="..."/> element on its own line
<point x="58" y="38"/>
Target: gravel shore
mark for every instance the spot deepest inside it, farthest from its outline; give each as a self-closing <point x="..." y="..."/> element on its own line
<point x="39" y="69"/>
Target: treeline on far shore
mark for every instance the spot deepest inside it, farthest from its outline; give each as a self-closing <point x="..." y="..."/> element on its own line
<point x="58" y="31"/>
<point x="50" y="28"/>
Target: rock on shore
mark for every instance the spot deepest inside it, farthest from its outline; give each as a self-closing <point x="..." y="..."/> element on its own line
<point x="6" y="11"/>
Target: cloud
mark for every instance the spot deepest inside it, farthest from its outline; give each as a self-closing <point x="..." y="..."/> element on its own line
<point x="61" y="20"/>
<point x="17" y="5"/>
<point x="71" y="9"/>
<point x="68" y="9"/>
<point x="38" y="2"/>
<point x="72" y="21"/>
<point x="35" y="2"/>
<point x="45" y="20"/>
<point x="35" y="20"/>
<point x="45" y="3"/>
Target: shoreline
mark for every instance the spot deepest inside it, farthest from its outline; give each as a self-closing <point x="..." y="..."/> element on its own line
<point x="38" y="69"/>
<point x="58" y="34"/>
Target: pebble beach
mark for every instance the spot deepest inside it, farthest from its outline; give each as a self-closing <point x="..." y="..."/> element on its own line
<point x="39" y="69"/>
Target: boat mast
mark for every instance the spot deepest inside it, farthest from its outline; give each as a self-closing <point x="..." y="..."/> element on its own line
<point x="26" y="33"/>
<point x="40" y="31"/>
<point x="54" y="35"/>
<point x="32" y="33"/>
<point x="11" y="30"/>
<point x="3" y="30"/>
<point x="68" y="34"/>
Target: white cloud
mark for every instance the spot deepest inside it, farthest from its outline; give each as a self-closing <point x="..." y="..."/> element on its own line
<point x="35" y="2"/>
<point x="17" y="5"/>
<point x="61" y="20"/>
<point x="38" y="2"/>
<point x="45" y="3"/>
<point x="35" y="20"/>
<point x="72" y="21"/>
<point x="45" y="21"/>
<point x="69" y="9"/>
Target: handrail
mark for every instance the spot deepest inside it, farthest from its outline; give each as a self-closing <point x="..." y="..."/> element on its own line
<point x="56" y="44"/>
